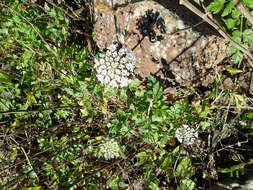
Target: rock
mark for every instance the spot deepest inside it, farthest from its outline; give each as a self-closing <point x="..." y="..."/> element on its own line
<point x="163" y="45"/>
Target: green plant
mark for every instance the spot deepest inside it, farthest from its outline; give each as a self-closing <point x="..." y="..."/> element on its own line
<point x="236" y="170"/>
<point x="235" y="22"/>
<point x="61" y="128"/>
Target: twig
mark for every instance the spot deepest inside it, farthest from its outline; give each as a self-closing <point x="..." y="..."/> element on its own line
<point x="230" y="146"/>
<point x="216" y="26"/>
<point x="244" y="11"/>
<point x="27" y="158"/>
<point x="74" y="16"/>
<point x="233" y="107"/>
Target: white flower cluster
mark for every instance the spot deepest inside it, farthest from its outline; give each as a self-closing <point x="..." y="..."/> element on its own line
<point x="186" y="134"/>
<point x="109" y="149"/>
<point x="115" y="66"/>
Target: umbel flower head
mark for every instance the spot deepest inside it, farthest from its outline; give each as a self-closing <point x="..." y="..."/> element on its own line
<point x="186" y="134"/>
<point x="109" y="149"/>
<point x="115" y="66"/>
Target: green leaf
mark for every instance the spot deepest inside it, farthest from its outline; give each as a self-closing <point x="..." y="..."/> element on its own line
<point x="228" y="9"/>
<point x="27" y="55"/>
<point x="216" y="6"/>
<point x="232" y="49"/>
<point x="113" y="182"/>
<point x="110" y="92"/>
<point x="248" y="115"/>
<point x="230" y="23"/>
<point x="123" y="95"/>
<point x="237" y="57"/>
<point x="237" y="169"/>
<point x="248" y="3"/>
<point x="239" y="100"/>
<point x="149" y="172"/>
<point x="134" y="84"/>
<point x="163" y="140"/>
<point x="184" y="168"/>
<point x="156" y="89"/>
<point x="33" y="188"/>
<point x="204" y="125"/>
<point x="205" y="111"/>
<point x="176" y="150"/>
<point x="168" y="162"/>
<point x="248" y="35"/>
<point x="237" y="36"/>
<point x="236" y="13"/>
<point x="156" y="118"/>
<point x="153" y="186"/>
<point x="234" y="70"/>
<point x="30" y="98"/>
<point x="5" y="78"/>
<point x="143" y="156"/>
<point x="187" y="184"/>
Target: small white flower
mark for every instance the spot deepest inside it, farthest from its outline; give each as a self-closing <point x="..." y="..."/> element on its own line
<point x="106" y="79"/>
<point x="116" y="65"/>
<point x="129" y="67"/>
<point x="97" y="63"/>
<point x="108" y="53"/>
<point x="117" y="72"/>
<point x="130" y="57"/>
<point x="125" y="82"/>
<point x="113" y="47"/>
<point x="104" y="73"/>
<point x="103" y="66"/>
<point x="122" y="52"/>
<point x="117" y="59"/>
<point x="124" y="60"/>
<point x="121" y="66"/>
<point x="186" y="134"/>
<point x="102" y="56"/>
<point x="100" y="77"/>
<point x="113" y="84"/>
<point x="114" y="54"/>
<point x="109" y="149"/>
<point x="110" y="72"/>
<point x="124" y="73"/>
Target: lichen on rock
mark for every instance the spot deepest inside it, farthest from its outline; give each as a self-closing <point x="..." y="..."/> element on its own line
<point x="163" y="45"/>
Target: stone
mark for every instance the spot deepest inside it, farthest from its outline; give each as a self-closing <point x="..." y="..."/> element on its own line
<point x="162" y="43"/>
